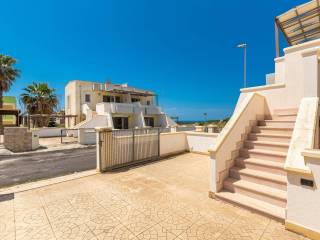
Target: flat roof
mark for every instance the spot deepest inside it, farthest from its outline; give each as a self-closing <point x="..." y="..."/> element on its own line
<point x="301" y="24"/>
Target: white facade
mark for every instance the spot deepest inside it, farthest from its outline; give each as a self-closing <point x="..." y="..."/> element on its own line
<point x="112" y="105"/>
<point x="296" y="85"/>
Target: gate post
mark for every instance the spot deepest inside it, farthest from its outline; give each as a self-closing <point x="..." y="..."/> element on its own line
<point x="159" y="132"/>
<point x="104" y="148"/>
<point x="61" y="136"/>
<point x="133" y="144"/>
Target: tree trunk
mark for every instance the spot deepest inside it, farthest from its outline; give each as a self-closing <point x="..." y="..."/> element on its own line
<point x="1" y="106"/>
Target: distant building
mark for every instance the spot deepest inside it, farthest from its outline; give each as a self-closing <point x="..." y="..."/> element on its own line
<point x="9" y="103"/>
<point x="117" y="106"/>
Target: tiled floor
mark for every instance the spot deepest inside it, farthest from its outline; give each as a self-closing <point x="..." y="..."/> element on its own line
<point x="163" y="200"/>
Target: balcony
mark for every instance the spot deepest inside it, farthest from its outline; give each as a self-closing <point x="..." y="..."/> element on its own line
<point x="113" y="107"/>
<point x="128" y="108"/>
<point x="151" y="110"/>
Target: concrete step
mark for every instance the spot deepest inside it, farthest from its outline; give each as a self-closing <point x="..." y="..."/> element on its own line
<point x="286" y="111"/>
<point x="282" y="117"/>
<point x="263" y="154"/>
<point x="259" y="177"/>
<point x="260" y="192"/>
<point x="264" y="208"/>
<point x="272" y="130"/>
<point x="268" y="145"/>
<point x="261" y="165"/>
<point x="284" y="138"/>
<point x="277" y="123"/>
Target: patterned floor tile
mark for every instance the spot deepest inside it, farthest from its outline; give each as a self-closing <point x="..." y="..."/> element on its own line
<point x="67" y="221"/>
<point x="156" y="232"/>
<point x="58" y="210"/>
<point x="156" y="201"/>
<point x="80" y="232"/>
<point x="103" y="224"/>
<point x="157" y="214"/>
<point x="277" y="231"/>
<point x="120" y="232"/>
<point x="7" y="229"/>
<point x="34" y="232"/>
<point x="135" y="221"/>
<point x="205" y="229"/>
<point x="176" y="224"/>
<point x="250" y="226"/>
<point x="33" y="217"/>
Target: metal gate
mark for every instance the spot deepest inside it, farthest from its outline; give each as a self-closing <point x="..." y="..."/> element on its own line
<point x="118" y="148"/>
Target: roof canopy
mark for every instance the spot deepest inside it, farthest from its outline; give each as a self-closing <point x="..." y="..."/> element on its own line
<point x="301" y="24"/>
<point x="122" y="88"/>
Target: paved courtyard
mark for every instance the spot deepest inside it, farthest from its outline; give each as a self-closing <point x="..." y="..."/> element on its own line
<point x="163" y="200"/>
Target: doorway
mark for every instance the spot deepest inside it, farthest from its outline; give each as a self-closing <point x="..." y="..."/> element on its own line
<point x="120" y="122"/>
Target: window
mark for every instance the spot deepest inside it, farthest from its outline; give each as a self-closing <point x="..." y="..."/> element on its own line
<point x="149" y="121"/>
<point x="106" y="98"/>
<point x="148" y="102"/>
<point x="135" y="100"/>
<point x="116" y="99"/>
<point x="120" y="122"/>
<point x="87" y="98"/>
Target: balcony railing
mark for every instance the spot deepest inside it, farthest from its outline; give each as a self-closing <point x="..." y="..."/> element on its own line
<point x="129" y="108"/>
<point x="151" y="110"/>
<point x="115" y="108"/>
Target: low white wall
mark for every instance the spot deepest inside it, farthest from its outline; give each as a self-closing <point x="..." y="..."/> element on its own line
<point x="176" y="142"/>
<point x="200" y="142"/>
<point x="49" y="132"/>
<point x="303" y="209"/>
<point x="171" y="143"/>
<point x="87" y="136"/>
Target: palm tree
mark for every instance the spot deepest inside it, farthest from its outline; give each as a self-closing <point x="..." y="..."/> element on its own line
<point x="38" y="98"/>
<point x="8" y="74"/>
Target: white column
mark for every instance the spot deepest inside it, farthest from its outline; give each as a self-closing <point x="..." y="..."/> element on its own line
<point x="310" y="72"/>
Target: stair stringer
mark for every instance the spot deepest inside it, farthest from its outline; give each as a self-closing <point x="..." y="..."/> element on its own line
<point x="251" y="108"/>
<point x="236" y="152"/>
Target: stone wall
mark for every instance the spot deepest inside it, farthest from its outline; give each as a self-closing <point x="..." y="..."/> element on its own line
<point x="18" y="139"/>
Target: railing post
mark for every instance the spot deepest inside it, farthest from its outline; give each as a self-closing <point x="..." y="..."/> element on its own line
<point x="133" y="143"/>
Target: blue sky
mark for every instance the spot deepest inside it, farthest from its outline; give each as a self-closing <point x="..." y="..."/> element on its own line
<point x="184" y="50"/>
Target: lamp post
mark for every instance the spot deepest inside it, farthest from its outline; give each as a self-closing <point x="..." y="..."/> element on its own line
<point x="205" y="117"/>
<point x="244" y="46"/>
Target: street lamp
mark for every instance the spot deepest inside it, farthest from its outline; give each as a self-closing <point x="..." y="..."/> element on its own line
<point x="205" y="116"/>
<point x="244" y="46"/>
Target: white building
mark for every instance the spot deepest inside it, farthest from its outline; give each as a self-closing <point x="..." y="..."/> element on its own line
<point x="117" y="106"/>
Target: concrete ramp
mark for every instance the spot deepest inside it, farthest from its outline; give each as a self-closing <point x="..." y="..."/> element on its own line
<point x="97" y="121"/>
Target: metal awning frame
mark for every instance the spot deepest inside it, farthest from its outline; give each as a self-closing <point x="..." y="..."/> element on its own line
<point x="299" y="24"/>
<point x="134" y="93"/>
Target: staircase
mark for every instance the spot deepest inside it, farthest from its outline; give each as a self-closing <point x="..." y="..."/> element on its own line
<point x="258" y="180"/>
